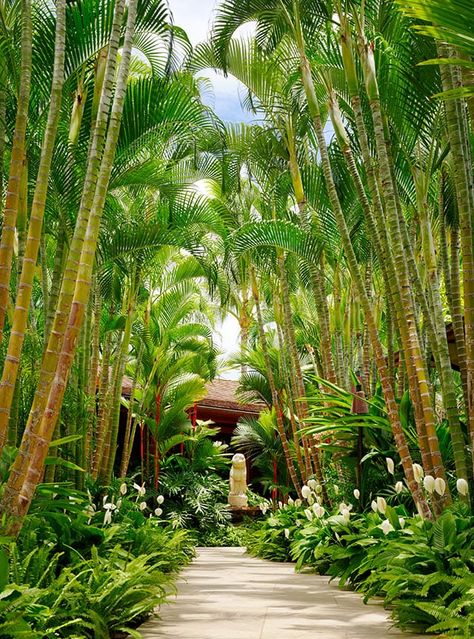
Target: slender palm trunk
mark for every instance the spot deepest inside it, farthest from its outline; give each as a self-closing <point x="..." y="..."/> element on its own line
<point x="271" y="380"/>
<point x="130" y="427"/>
<point x="41" y="438"/>
<point x="458" y="135"/>
<point x="108" y="461"/>
<point x="389" y="395"/>
<point x="57" y="332"/>
<point x="104" y="395"/>
<point x="18" y="153"/>
<point x="25" y="287"/>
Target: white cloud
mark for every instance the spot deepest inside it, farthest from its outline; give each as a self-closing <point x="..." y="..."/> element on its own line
<point x="196" y="17"/>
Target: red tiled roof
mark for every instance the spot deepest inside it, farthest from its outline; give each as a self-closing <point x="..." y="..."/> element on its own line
<point x="221" y="393"/>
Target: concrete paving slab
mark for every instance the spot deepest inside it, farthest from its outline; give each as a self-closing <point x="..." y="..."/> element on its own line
<point x="225" y="594"/>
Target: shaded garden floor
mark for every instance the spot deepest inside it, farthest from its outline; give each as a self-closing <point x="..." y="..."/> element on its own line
<point x="226" y="593"/>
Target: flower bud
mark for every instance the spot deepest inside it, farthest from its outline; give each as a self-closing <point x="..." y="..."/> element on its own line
<point x="429" y="484"/>
<point x="143" y="505"/>
<point x="462" y="486"/>
<point x="287" y="533"/>
<point x="123" y="488"/>
<point x="381" y="505"/>
<point x="418" y="472"/>
<point x="308" y="514"/>
<point x="390" y="465"/>
<point x="401" y="521"/>
<point x="374" y="506"/>
<point x="158" y="512"/>
<point x="386" y="526"/>
<point x="160" y="499"/>
<point x="318" y="510"/>
<point x="356" y="493"/>
<point x="346" y="514"/>
<point x="399" y="487"/>
<point x="440" y="486"/>
<point x="312" y="483"/>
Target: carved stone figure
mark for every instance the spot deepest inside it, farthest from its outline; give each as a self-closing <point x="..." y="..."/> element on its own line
<point x="238" y="482"/>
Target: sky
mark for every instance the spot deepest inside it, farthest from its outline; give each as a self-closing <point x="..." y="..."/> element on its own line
<point x="195" y="17"/>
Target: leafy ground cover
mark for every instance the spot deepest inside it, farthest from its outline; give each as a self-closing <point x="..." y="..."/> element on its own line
<point x="423" y="569"/>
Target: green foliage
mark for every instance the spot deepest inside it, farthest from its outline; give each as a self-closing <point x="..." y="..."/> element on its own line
<point x="423" y="569"/>
<point x="70" y="574"/>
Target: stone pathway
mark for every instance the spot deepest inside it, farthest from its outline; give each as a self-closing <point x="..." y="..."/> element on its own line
<point x="225" y="594"/>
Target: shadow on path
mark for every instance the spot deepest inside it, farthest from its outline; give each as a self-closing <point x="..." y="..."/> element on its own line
<point x="225" y="594"/>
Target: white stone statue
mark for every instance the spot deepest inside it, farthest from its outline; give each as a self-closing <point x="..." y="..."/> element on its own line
<point x="238" y="482"/>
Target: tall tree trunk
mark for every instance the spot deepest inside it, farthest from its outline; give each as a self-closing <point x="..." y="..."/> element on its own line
<point x="271" y="380"/>
<point x="18" y="153"/>
<point x="25" y="287"/>
<point x="458" y="135"/>
<point x="41" y="438"/>
<point x="389" y="395"/>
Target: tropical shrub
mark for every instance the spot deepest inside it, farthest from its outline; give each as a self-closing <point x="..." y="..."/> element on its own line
<point x="423" y="569"/>
<point x="74" y="572"/>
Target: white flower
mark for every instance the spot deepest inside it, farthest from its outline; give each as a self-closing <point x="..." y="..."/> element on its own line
<point x="306" y="492"/>
<point x="287" y="533"/>
<point x="418" y="472"/>
<point x="462" y="486"/>
<point x="217" y="444"/>
<point x="143" y="505"/>
<point x="123" y="488"/>
<point x="160" y="499"/>
<point x="356" y="493"/>
<point x="298" y="503"/>
<point x="399" y="487"/>
<point x="390" y="465"/>
<point x="280" y="505"/>
<point x="291" y="502"/>
<point x="158" y="512"/>
<point x="381" y="505"/>
<point x="141" y="490"/>
<point x="107" y="517"/>
<point x="374" y="506"/>
<point x="346" y="514"/>
<point x="119" y="503"/>
<point x="310" y="499"/>
<point x="308" y="514"/>
<point x="440" y="486"/>
<point x="312" y="483"/>
<point x="110" y="506"/>
<point x="343" y="506"/>
<point x="318" y="511"/>
<point x="386" y="526"/>
<point x="105" y="499"/>
<point x="401" y="521"/>
<point x="429" y="484"/>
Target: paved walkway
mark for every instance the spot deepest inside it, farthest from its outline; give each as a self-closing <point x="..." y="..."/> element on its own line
<point x="225" y="594"/>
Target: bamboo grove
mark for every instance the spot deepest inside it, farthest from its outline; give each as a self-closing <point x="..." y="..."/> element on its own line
<point x="337" y="227"/>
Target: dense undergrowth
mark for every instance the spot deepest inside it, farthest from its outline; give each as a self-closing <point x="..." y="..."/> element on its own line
<point x="423" y="570"/>
<point x="81" y="569"/>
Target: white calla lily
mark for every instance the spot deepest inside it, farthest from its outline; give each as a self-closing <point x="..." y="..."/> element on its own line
<point x="418" y="472"/>
<point x="429" y="483"/>
<point x="390" y="465"/>
<point x="462" y="487"/>
<point x="440" y="486"/>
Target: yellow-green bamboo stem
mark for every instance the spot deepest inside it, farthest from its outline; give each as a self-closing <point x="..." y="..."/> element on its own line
<point x="10" y="211"/>
<point x="25" y="287"/>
